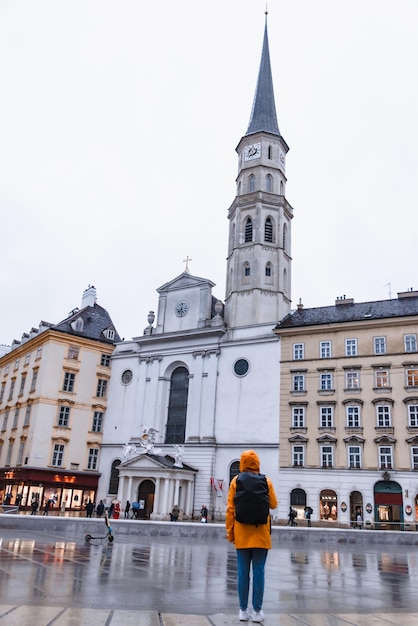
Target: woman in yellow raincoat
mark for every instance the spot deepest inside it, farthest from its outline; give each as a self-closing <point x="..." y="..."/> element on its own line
<point x="251" y="542"/>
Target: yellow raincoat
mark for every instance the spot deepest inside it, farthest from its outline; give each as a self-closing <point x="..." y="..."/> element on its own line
<point x="248" y="535"/>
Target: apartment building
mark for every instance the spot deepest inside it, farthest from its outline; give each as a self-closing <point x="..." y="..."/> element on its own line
<point x="53" y="398"/>
<point x="349" y="412"/>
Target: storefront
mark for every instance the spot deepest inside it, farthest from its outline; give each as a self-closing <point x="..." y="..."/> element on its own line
<point x="388" y="506"/>
<point x="66" y="491"/>
<point x="328" y="505"/>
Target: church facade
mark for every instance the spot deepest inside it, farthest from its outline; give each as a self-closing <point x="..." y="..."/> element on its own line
<point x="201" y="383"/>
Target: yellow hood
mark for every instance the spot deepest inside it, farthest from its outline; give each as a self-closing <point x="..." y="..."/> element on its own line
<point x="249" y="462"/>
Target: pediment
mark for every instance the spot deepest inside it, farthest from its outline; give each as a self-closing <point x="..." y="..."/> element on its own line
<point x="185" y="281"/>
<point x="153" y="462"/>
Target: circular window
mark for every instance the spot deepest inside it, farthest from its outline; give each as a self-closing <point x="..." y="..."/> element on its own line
<point x="241" y="367"/>
<point x="126" y="377"/>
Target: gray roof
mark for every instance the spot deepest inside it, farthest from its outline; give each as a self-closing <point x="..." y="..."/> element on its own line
<point x="351" y="312"/>
<point x="263" y="114"/>
<point x="96" y="320"/>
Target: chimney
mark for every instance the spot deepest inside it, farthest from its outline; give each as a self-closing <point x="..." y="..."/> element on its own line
<point x="89" y="297"/>
<point x="411" y="293"/>
<point x="343" y="300"/>
<point x="300" y="305"/>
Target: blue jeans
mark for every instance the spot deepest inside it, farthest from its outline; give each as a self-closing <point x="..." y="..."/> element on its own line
<point x="246" y="556"/>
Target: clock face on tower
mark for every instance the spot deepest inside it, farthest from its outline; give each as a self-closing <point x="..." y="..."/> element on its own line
<point x="182" y="308"/>
<point x="252" y="152"/>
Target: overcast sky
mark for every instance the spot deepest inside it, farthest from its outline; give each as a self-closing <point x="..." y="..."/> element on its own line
<point x="118" y="127"/>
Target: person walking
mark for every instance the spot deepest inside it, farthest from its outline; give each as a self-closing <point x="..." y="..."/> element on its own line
<point x="46" y="507"/>
<point x="175" y="512"/>
<point x="34" y="506"/>
<point x="204" y="514"/>
<point x="252" y="540"/>
<point x="100" y="509"/>
<point x="89" y="508"/>
<point x="127" y="508"/>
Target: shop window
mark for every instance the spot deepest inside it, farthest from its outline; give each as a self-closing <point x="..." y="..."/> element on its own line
<point x="328" y="505"/>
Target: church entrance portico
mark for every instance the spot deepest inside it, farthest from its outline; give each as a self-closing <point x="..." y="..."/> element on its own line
<point x="157" y="484"/>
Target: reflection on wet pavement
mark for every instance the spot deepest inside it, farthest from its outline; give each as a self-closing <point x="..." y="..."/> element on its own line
<point x="198" y="576"/>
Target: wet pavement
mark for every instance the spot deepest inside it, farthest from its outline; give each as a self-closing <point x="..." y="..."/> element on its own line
<point x="46" y="578"/>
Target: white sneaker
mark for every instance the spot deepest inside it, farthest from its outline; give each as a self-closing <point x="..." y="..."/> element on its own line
<point x="244" y="616"/>
<point x="258" y="616"/>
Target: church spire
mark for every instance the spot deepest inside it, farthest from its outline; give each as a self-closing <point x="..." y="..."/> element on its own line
<point x="263" y="114"/>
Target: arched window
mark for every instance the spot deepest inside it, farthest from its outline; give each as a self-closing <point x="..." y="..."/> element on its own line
<point x="281" y="188"/>
<point x="233" y="470"/>
<point x="269" y="152"/>
<point x="251" y="183"/>
<point x="285" y="237"/>
<point x="268" y="230"/>
<point x="268" y="269"/>
<point x="248" y="230"/>
<point x="247" y="270"/>
<point x="177" y="406"/>
<point x="239" y="189"/>
<point x="269" y="183"/>
<point x="114" y="477"/>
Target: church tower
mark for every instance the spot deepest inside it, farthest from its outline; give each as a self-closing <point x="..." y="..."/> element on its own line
<point x="259" y="256"/>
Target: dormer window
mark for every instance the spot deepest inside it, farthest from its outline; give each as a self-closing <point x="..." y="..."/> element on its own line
<point x="109" y="333"/>
<point x="78" y="325"/>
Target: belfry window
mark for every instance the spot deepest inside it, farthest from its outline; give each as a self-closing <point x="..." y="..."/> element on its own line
<point x="177" y="406"/>
<point x="248" y="230"/>
<point x="268" y="230"/>
<point x="247" y="270"/>
<point x="251" y="183"/>
<point x="268" y="269"/>
<point x="269" y="152"/>
<point x="269" y="183"/>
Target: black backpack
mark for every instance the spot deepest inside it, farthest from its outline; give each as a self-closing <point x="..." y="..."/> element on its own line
<point x="251" y="499"/>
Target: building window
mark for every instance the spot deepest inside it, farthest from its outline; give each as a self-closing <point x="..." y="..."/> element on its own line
<point x="298" y="351"/>
<point x="241" y="367"/>
<point x="325" y="381"/>
<point x="34" y="379"/>
<point x="97" y="422"/>
<point x="105" y="360"/>
<point x="351" y="347"/>
<point x="248" y="230"/>
<point x="22" y="384"/>
<point x="12" y="388"/>
<point x="16" y="367"/>
<point x="352" y="380"/>
<point x="354" y="457"/>
<point x="269" y="153"/>
<point x="101" y="388"/>
<point x="114" y="478"/>
<point x="247" y="270"/>
<point x="327" y="456"/>
<point x="353" y="416"/>
<point x="93" y="458"/>
<point x="73" y="352"/>
<point x="58" y="455"/>
<point x="268" y="230"/>
<point x="326" y="416"/>
<point x="383" y="415"/>
<point x="177" y="406"/>
<point x="385" y="457"/>
<point x="5" y="419"/>
<point x="3" y="387"/>
<point x="324" y="349"/>
<point x="410" y="343"/>
<point x="20" y="453"/>
<point x="39" y="353"/>
<point x="27" y="415"/>
<point x="64" y="416"/>
<point x="298" y="416"/>
<point x="9" y="453"/>
<point x="413" y="415"/>
<point x="27" y="359"/>
<point x="381" y="379"/>
<point x="16" y="418"/>
<point x="414" y="457"/>
<point x="269" y="183"/>
<point x="109" y="333"/>
<point x="412" y="377"/>
<point x="298" y="382"/>
<point x="380" y="345"/>
<point x="69" y="380"/>
<point x="298" y="454"/>
<point x="251" y="183"/>
<point x="268" y="270"/>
